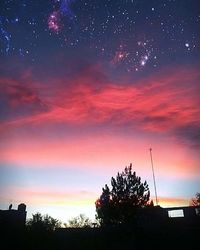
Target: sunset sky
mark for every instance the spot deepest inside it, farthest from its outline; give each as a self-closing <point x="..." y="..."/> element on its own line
<point x="86" y="88"/>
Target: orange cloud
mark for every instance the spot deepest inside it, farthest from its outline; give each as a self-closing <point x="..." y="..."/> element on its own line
<point x="51" y="196"/>
<point x="173" y="201"/>
<point x="61" y="204"/>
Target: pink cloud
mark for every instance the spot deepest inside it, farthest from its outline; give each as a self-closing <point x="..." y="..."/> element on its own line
<point x="161" y="103"/>
<point x="102" y="152"/>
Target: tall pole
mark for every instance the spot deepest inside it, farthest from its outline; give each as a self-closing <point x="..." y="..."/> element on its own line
<point x="154" y="181"/>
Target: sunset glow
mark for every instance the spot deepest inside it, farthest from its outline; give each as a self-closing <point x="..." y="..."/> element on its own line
<point x="74" y="116"/>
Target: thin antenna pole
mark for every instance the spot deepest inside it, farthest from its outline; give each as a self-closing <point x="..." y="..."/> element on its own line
<point x="154" y="181"/>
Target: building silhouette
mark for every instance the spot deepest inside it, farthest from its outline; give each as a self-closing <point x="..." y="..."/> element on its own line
<point x="167" y="226"/>
<point x="13" y="218"/>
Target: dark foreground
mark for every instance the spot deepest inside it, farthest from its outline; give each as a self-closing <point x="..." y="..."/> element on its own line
<point x="174" y="234"/>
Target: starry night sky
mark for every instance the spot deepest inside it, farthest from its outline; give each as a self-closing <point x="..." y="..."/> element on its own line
<point x="88" y="86"/>
<point x="128" y="36"/>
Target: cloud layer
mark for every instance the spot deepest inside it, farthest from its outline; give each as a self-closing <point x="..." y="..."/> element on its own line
<point x="165" y="103"/>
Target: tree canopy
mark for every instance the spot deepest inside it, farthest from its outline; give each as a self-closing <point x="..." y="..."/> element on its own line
<point x="41" y="222"/>
<point x="196" y="201"/>
<point x="119" y="203"/>
<point x="79" y="221"/>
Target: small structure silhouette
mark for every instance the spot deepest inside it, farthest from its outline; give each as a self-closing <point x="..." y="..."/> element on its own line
<point x="13" y="218"/>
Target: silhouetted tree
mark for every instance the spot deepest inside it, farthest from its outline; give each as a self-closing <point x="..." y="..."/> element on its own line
<point x="196" y="201"/>
<point x="120" y="203"/>
<point x="79" y="221"/>
<point x="43" y="223"/>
